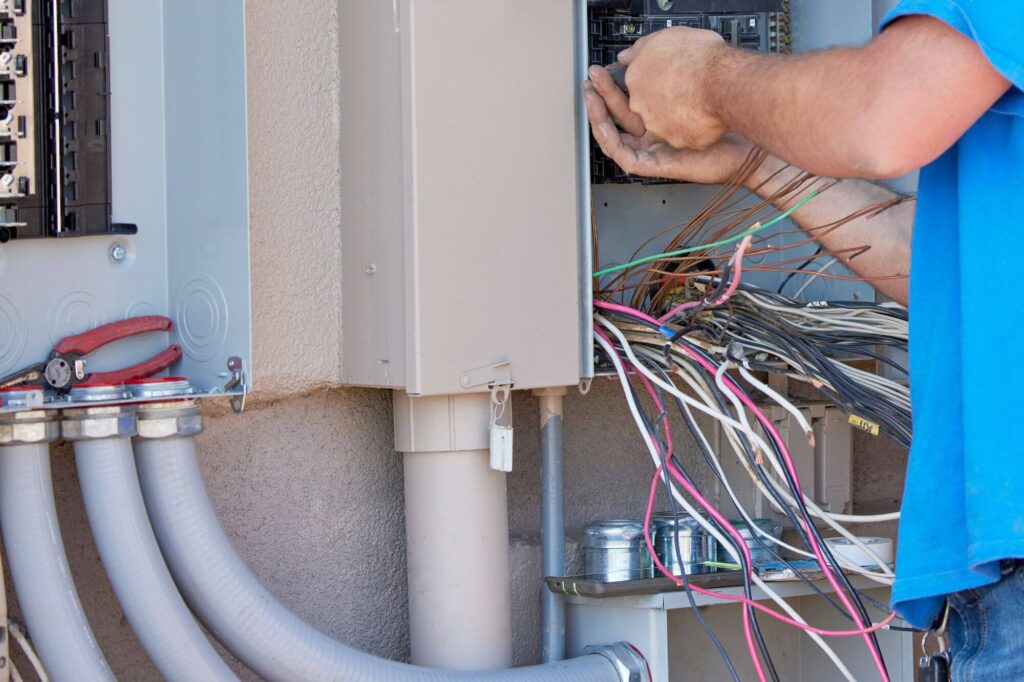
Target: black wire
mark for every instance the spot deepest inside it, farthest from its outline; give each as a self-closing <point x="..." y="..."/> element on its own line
<point x="747" y="569"/>
<point x="798" y="270"/>
<point x="811" y="527"/>
<point x="686" y="583"/>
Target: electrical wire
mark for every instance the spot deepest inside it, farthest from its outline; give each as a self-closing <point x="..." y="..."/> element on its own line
<point x="605" y="344"/>
<point x="816" y="543"/>
<point x="758" y="227"/>
<point x="19" y="635"/>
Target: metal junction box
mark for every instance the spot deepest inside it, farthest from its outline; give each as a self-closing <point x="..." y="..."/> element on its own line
<point x="460" y="206"/>
<point x="130" y="195"/>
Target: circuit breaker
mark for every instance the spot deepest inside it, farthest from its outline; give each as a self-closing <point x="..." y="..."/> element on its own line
<point x="54" y="120"/>
<point x="614" y="25"/>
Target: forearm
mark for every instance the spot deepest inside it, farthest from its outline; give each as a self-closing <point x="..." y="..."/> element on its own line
<point x="876" y="246"/>
<point x="815" y="110"/>
<point x="876" y="111"/>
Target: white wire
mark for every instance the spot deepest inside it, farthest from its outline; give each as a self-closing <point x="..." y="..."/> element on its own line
<point x="18" y="633"/>
<point x="810" y="278"/>
<point x="753" y="437"/>
<point x="652" y="449"/>
<point x="780" y="470"/>
<point x="759" y="443"/>
<point x="15" y="674"/>
<point x="847" y="564"/>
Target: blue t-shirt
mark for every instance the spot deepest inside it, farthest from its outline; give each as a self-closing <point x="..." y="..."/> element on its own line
<point x="963" y="507"/>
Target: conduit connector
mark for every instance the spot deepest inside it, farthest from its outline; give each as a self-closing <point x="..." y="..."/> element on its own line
<point x="93" y="423"/>
<point x="628" y="661"/>
<point x="27" y="428"/>
<point x="169" y="419"/>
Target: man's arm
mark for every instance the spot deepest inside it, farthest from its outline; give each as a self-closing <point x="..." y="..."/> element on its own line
<point x="876" y="111"/>
<point x="888" y="233"/>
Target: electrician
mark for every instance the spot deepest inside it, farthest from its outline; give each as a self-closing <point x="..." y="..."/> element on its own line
<point x="939" y="89"/>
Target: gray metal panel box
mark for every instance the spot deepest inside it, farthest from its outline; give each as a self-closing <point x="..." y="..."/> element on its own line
<point x="463" y="110"/>
<point x="179" y="170"/>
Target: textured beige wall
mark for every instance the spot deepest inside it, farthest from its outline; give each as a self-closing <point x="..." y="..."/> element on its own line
<point x="294" y="168"/>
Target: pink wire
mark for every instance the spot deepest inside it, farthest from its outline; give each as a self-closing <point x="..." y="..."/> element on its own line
<point x="747" y="629"/>
<point x="788" y="462"/>
<point x="733" y="286"/>
<point x="742" y="599"/>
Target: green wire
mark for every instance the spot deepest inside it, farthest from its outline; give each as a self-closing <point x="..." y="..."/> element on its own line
<point x="682" y="252"/>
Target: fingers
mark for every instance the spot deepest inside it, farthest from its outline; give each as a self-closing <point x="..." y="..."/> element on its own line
<point x="616" y="101"/>
<point x="629" y="54"/>
<point x="621" y="148"/>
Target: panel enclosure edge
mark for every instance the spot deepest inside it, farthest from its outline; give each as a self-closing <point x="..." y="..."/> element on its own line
<point x="488" y="189"/>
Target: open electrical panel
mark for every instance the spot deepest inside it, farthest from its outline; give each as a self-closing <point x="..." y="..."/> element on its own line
<point x="123" y="124"/>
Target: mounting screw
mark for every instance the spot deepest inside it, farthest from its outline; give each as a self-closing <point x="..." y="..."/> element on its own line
<point x="118" y="253"/>
<point x="371" y="269"/>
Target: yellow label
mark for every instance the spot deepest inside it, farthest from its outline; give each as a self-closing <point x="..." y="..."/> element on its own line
<point x="864" y="425"/>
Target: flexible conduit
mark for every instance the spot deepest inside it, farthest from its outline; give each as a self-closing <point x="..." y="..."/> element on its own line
<point x="247" y="619"/>
<point x="128" y="548"/>
<point x="42" y="578"/>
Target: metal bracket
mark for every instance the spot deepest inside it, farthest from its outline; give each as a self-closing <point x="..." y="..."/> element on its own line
<point x="237" y="379"/>
<point x="498" y="374"/>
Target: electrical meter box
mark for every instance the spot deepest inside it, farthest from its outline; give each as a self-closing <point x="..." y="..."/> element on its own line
<point x="123" y="179"/>
<point x="472" y="192"/>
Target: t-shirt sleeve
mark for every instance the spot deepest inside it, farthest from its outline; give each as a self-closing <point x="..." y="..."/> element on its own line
<point x="996" y="25"/>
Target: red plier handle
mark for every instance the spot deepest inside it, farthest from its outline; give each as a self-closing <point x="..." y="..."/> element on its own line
<point x="143" y="370"/>
<point x="94" y="339"/>
<point x="67" y="354"/>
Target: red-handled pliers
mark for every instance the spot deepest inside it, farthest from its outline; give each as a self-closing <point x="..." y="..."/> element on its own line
<point x="65" y="367"/>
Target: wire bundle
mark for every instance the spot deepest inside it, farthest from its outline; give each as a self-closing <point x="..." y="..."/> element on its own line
<point x="763" y="453"/>
<point x="680" y="328"/>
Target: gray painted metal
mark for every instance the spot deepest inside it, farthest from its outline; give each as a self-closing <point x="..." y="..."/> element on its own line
<point x="584" y="196"/>
<point x="179" y="170"/>
<point x="487" y="176"/>
<point x="552" y="643"/>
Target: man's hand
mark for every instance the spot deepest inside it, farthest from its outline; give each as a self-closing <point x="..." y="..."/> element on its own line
<point x="639" y="152"/>
<point x="670" y="78"/>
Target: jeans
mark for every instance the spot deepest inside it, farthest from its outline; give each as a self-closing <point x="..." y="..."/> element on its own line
<point x="986" y="629"/>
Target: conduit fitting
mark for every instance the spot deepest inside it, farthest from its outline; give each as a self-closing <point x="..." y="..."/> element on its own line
<point x="93" y="423"/>
<point x="628" y="661"/>
<point x="27" y="428"/>
<point x="169" y="419"/>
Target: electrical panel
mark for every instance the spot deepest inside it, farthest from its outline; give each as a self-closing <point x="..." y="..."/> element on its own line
<point x="134" y="114"/>
<point x="55" y="120"/>
<point x="614" y="25"/>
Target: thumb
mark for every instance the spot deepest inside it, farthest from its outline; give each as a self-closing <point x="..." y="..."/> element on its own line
<point x="627" y="56"/>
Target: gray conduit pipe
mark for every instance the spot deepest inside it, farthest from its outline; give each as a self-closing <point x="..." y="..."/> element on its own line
<point x="254" y="626"/>
<point x="128" y="548"/>
<point x="552" y="642"/>
<point x="42" y="578"/>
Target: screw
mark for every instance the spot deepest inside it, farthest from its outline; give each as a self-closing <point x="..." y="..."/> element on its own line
<point x="371" y="269"/>
<point x="118" y="253"/>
